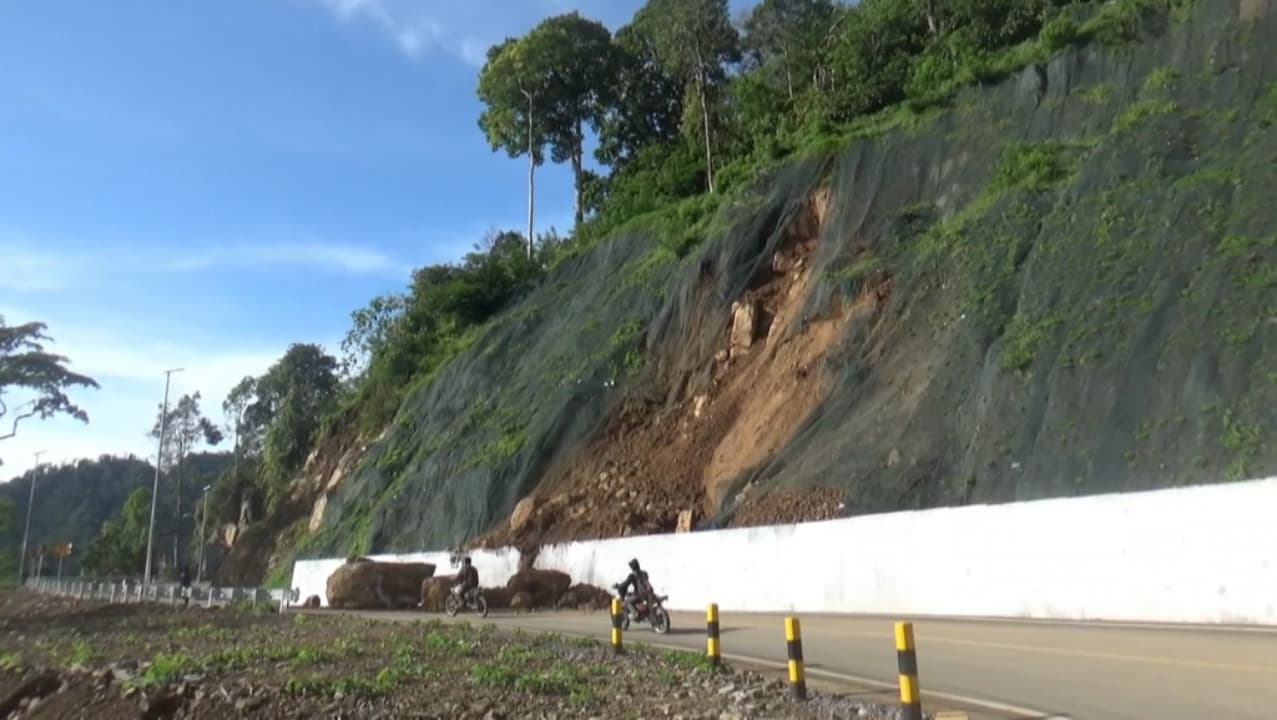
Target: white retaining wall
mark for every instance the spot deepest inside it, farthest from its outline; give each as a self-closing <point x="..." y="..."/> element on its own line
<point x="1203" y="554"/>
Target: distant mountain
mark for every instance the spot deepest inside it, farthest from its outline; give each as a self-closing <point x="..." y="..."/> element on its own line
<point x="72" y="501"/>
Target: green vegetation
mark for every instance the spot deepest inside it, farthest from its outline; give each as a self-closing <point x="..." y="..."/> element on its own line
<point x="1140" y="112"/>
<point x="164" y="669"/>
<point x="10" y="660"/>
<point x="1023" y="337"/>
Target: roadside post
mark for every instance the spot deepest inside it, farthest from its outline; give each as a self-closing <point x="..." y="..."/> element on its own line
<point x="907" y="658"/>
<point x="797" y="675"/>
<point x="712" y="648"/>
<point x="617" y="647"/>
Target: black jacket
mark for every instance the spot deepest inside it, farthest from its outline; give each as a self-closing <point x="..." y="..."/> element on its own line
<point x="638" y="581"/>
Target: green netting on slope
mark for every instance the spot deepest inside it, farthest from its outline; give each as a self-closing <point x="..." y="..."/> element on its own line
<point x="1086" y="296"/>
<point x="466" y="447"/>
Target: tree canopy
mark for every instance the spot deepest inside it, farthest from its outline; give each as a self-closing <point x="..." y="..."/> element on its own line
<point x="40" y="377"/>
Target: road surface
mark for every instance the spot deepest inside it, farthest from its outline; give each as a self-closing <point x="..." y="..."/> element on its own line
<point x="993" y="668"/>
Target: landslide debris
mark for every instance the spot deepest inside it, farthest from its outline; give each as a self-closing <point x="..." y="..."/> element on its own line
<point x="150" y="662"/>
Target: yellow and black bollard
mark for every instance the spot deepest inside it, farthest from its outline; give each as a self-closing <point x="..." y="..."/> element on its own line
<point x="797" y="677"/>
<point x="907" y="657"/>
<point x="616" y="626"/>
<point x="712" y="648"/>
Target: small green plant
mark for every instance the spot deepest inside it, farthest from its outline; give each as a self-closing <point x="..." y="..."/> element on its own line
<point x="1023" y="338"/>
<point x="1101" y="94"/>
<point x="164" y="669"/>
<point x="10" y="661"/>
<point x="684" y="660"/>
<point x="1141" y="111"/>
<point x="1163" y="78"/>
<point x="1060" y="33"/>
<point x="494" y="674"/>
<point x="1243" y="440"/>
<point x="1033" y="166"/>
<point x="82" y="653"/>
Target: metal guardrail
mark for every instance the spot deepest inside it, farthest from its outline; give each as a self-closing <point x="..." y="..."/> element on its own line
<point x="134" y="591"/>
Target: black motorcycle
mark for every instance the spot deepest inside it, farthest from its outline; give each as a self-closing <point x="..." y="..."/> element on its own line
<point x="650" y="610"/>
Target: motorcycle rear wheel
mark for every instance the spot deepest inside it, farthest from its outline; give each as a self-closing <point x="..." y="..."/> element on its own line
<point x="481" y="606"/>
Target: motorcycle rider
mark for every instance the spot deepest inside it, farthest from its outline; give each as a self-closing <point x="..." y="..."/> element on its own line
<point x="467" y="578"/>
<point x="639" y="581"/>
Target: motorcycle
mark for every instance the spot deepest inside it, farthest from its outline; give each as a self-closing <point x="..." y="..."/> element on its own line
<point x="473" y="600"/>
<point x="652" y="611"/>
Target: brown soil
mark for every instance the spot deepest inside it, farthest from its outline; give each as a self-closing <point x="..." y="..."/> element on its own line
<point x="142" y="661"/>
<point x="789" y="506"/>
<point x="653" y="460"/>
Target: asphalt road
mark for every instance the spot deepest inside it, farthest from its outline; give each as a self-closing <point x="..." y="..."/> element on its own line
<point x="994" y="669"/>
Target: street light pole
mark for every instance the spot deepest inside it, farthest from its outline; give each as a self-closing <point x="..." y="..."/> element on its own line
<point x="199" y="571"/>
<point x="155" y="490"/>
<point x="22" y="561"/>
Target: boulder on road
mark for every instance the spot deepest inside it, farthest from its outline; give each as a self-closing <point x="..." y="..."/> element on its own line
<point x="363" y="584"/>
<point x="544" y="587"/>
<point x="434" y="591"/>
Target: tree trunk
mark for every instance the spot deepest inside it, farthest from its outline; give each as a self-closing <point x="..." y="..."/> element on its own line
<point x="578" y="174"/>
<point x="709" y="153"/>
<point x="929" y="7"/>
<point x="532" y="170"/>
<point x="177" y="530"/>
<point x="789" y="73"/>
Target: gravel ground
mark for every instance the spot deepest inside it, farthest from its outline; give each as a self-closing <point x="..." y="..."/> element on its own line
<point x="66" y="659"/>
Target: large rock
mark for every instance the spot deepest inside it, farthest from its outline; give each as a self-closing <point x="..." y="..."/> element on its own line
<point x="434" y="591"/>
<point x="544" y="587"/>
<point x="744" y="326"/>
<point x="367" y="585"/>
<point x="585" y="597"/>
<point x="523" y="512"/>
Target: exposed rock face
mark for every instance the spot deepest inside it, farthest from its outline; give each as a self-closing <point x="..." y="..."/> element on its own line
<point x="364" y="584"/>
<point x="523" y="512"/>
<point x="744" y="326"/>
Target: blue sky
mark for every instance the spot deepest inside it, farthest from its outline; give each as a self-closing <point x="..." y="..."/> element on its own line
<point x="200" y="184"/>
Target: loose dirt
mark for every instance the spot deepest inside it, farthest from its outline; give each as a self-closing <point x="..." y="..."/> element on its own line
<point x="653" y="460"/>
<point x="68" y="659"/>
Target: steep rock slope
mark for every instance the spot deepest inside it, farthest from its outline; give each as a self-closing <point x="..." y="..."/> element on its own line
<point x="1064" y="284"/>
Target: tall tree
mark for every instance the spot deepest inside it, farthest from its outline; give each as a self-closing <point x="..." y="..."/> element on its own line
<point x="577" y="60"/>
<point x="694" y="40"/>
<point x="120" y="546"/>
<point x="290" y="399"/>
<point x="39" y="376"/>
<point x="560" y="76"/>
<point x="370" y="329"/>
<point x="784" y="39"/>
<point x="646" y="102"/>
<point x="184" y="429"/>
<point x="514" y="121"/>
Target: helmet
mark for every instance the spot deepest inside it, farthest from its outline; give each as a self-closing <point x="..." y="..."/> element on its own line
<point x="634" y="565"/>
<point x="465" y="561"/>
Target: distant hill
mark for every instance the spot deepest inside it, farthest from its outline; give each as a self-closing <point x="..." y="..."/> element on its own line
<point x="72" y="501"/>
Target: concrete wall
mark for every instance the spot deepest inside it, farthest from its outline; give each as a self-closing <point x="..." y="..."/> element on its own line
<point x="1204" y="554"/>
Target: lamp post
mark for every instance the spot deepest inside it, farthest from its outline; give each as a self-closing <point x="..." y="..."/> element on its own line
<point x="155" y="490"/>
<point x="22" y="561"/>
<point x="199" y="570"/>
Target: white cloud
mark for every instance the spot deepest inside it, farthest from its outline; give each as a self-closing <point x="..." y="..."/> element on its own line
<point x="28" y="268"/>
<point x="464" y="28"/>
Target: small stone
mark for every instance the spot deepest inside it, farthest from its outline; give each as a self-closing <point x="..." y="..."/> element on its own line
<point x="727" y="690"/>
<point x="730" y="715"/>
